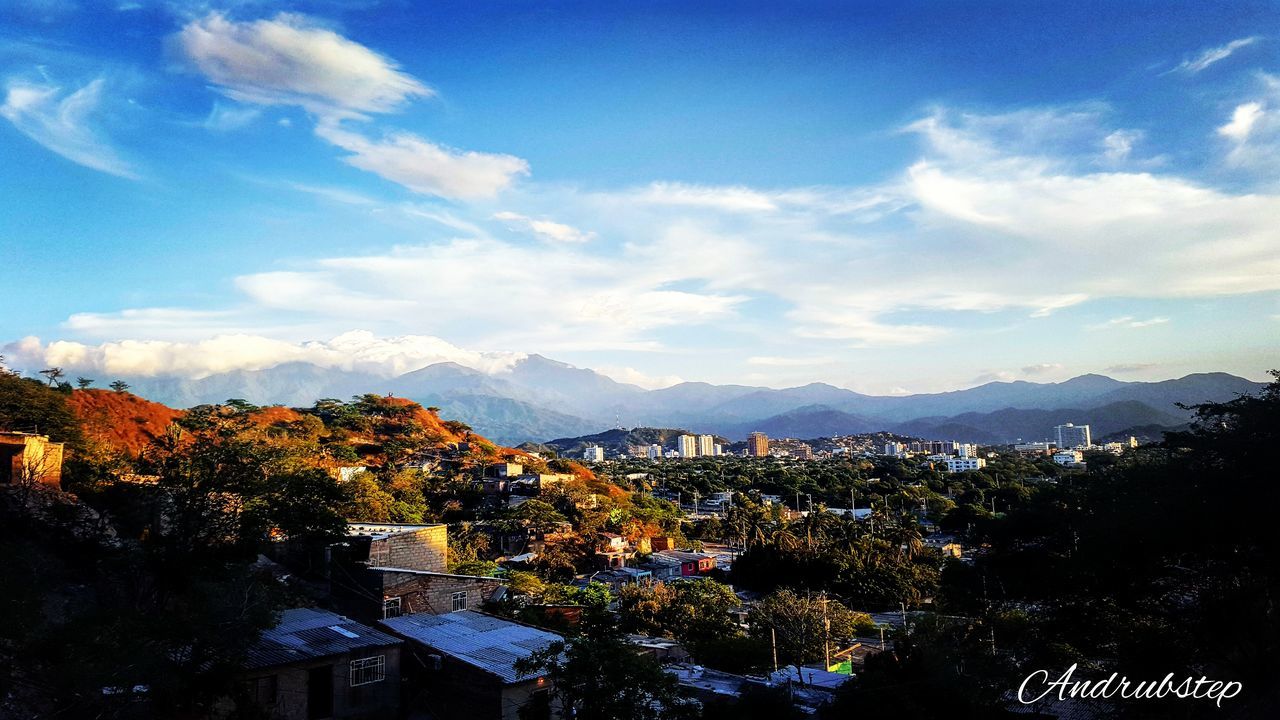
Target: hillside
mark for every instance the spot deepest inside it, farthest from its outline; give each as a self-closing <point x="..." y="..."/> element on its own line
<point x="123" y="421"/>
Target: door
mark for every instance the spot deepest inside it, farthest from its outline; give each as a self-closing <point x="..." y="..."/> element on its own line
<point x="320" y="693"/>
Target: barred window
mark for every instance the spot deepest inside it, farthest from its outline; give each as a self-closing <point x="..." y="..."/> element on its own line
<point x="262" y="690"/>
<point x="391" y="608"/>
<point x="368" y="670"/>
<point x="459" y="601"/>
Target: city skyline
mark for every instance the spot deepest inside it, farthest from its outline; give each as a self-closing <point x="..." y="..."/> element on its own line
<point x="860" y="195"/>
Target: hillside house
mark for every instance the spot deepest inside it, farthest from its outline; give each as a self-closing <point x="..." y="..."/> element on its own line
<point x="464" y="666"/>
<point x="388" y="570"/>
<point x="26" y="458"/>
<point x="316" y="664"/>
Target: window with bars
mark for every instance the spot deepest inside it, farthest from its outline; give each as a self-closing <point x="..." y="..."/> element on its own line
<point x="368" y="670"/>
<point x="459" y="601"/>
<point x="391" y="608"/>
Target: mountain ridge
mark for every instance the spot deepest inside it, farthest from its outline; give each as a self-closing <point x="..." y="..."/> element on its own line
<point x="539" y="398"/>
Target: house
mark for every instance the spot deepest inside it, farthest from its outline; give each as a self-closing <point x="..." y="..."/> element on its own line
<point x="946" y="544"/>
<point x="413" y="547"/>
<point x="464" y="666"/>
<point x="26" y="458"/>
<point x="662" y="568"/>
<point x="691" y="563"/>
<point x="611" y="550"/>
<point x="506" y="470"/>
<point x="388" y="570"/>
<point x="318" y="664"/>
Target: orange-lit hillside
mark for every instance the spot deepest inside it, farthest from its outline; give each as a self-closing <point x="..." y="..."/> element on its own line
<point x="122" y="420"/>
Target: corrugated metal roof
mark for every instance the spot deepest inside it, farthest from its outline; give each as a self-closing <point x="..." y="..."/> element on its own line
<point x="489" y="643"/>
<point x="308" y="634"/>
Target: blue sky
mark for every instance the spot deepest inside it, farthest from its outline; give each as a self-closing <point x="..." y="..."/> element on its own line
<point x="884" y="196"/>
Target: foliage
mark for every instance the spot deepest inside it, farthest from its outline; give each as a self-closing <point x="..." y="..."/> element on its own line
<point x="28" y="405"/>
<point x="690" y="610"/>
<point x="599" y="676"/>
<point x="805" y="627"/>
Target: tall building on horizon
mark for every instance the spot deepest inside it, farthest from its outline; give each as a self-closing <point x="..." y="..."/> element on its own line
<point x="687" y="445"/>
<point x="757" y="444"/>
<point x="706" y="445"/>
<point x="1072" y="436"/>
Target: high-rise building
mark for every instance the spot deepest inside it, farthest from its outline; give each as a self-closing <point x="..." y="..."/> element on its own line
<point x="757" y="444"/>
<point x="688" y="446"/>
<point x="1072" y="436"/>
<point x="706" y="445"/>
<point x="655" y="452"/>
<point x="594" y="453"/>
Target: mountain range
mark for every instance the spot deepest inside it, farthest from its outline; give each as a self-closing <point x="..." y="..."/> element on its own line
<point x="538" y="398"/>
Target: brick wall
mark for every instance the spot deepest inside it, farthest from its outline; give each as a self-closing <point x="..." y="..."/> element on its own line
<point x="425" y="549"/>
<point x="434" y="593"/>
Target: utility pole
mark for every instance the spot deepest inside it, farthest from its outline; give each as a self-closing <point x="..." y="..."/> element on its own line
<point x="826" y="635"/>
<point x="773" y="640"/>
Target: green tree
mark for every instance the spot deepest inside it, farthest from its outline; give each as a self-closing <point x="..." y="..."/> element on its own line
<point x="119" y="386"/>
<point x="600" y="676"/>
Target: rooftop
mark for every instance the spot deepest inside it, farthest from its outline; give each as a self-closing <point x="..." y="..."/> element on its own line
<point x="380" y="531"/>
<point x="489" y="643"/>
<point x="309" y="633"/>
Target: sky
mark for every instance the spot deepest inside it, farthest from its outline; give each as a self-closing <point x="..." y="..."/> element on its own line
<point x="892" y="197"/>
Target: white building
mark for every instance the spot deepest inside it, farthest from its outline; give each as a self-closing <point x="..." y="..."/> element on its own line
<point x="595" y="453"/>
<point x="719" y="449"/>
<point x="1072" y="436"/>
<point x="961" y="464"/>
<point x="687" y="445"/>
<point x="894" y="449"/>
<point x="1068" y="458"/>
<point x="655" y="451"/>
<point x="1033" y="448"/>
<point x="706" y="445"/>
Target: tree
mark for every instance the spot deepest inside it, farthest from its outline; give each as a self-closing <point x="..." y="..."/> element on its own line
<point x="54" y="374"/>
<point x="83" y="382"/>
<point x="806" y="628"/>
<point x="600" y="676"/>
<point x="688" y="610"/>
<point x="28" y="405"/>
<point x="119" y="385"/>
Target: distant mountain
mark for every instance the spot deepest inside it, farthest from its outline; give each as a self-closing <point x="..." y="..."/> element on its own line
<point x="811" y="421"/>
<point x="1010" y="424"/>
<point x="620" y="439"/>
<point x="538" y="398"/>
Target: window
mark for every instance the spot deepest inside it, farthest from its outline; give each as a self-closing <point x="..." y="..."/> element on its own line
<point x="390" y="608"/>
<point x="459" y="601"/>
<point x="261" y="690"/>
<point x="368" y="670"/>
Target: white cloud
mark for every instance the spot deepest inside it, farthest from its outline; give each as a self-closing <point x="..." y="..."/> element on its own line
<point x="292" y="60"/>
<point x="224" y="118"/>
<point x="775" y="361"/>
<point x="545" y="229"/>
<point x="62" y="123"/>
<point x="1042" y="369"/>
<point x="355" y="350"/>
<point x="635" y="377"/>
<point x="1209" y="56"/>
<point x="423" y="166"/>
<point x="1119" y="144"/>
<point x="1129" y="322"/>
<point x="1242" y="122"/>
